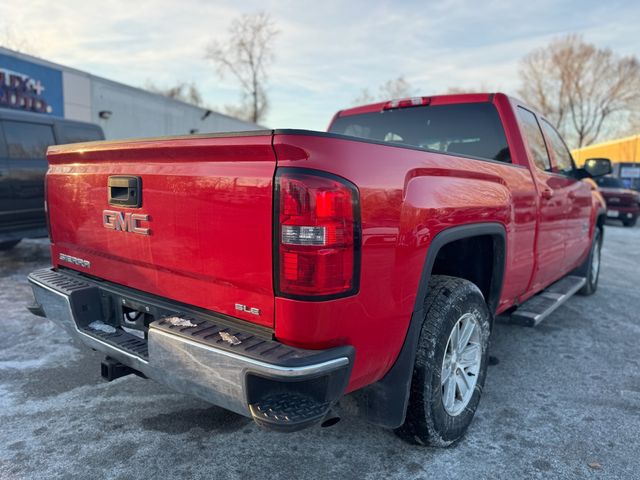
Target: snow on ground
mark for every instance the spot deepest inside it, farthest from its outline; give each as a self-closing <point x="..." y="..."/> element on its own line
<point x="563" y="396"/>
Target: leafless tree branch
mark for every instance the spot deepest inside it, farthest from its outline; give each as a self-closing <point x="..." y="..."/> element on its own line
<point x="585" y="91"/>
<point x="246" y="54"/>
<point x="15" y="41"/>
<point x="185" y="92"/>
<point x="391" y="89"/>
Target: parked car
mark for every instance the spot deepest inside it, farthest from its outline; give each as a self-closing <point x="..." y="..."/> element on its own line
<point x="629" y="173"/>
<point x="24" y="138"/>
<point x="622" y="203"/>
<point x="273" y="272"/>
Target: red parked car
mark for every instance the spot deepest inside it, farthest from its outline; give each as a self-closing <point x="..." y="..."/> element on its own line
<point x="622" y="203"/>
<point x="273" y="272"/>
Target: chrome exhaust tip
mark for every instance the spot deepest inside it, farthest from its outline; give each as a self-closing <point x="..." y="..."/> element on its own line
<point x="330" y="419"/>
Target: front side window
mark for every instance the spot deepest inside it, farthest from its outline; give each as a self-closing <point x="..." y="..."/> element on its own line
<point x="564" y="163"/>
<point x="27" y="140"/>
<point x="468" y="129"/>
<point x="533" y="135"/>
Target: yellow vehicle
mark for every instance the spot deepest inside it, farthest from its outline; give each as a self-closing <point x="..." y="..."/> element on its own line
<point x="624" y="153"/>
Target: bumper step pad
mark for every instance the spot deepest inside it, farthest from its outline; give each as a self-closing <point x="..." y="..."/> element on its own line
<point x="244" y="343"/>
<point x="121" y="340"/>
<point x="288" y="412"/>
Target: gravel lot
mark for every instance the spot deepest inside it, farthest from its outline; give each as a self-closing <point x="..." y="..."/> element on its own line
<point x="563" y="396"/>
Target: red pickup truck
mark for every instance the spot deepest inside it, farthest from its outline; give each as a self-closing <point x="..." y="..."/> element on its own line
<point x="272" y="273"/>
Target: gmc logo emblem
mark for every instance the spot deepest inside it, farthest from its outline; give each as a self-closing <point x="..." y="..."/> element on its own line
<point x="125" y="222"/>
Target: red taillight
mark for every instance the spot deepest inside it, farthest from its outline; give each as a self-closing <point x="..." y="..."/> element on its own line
<point x="317" y="235"/>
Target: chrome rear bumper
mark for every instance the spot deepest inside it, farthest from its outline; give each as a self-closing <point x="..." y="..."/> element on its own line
<point x="241" y="378"/>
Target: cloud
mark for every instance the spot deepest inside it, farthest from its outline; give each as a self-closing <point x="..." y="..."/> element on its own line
<point x="326" y="53"/>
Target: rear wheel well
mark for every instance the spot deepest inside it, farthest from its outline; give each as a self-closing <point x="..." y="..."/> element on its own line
<point x="385" y="402"/>
<point x="478" y="259"/>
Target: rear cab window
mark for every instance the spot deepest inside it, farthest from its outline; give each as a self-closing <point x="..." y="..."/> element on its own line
<point x="468" y="129"/>
<point x="27" y="140"/>
<point x="70" y="133"/>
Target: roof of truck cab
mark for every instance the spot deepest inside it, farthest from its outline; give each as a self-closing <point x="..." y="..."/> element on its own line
<point x="433" y="100"/>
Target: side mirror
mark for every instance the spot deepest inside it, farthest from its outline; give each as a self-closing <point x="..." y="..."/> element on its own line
<point x="598" y="167"/>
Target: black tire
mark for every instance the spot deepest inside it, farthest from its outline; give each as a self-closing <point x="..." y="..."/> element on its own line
<point x="427" y="421"/>
<point x="630" y="223"/>
<point x="587" y="270"/>
<point x="8" y="245"/>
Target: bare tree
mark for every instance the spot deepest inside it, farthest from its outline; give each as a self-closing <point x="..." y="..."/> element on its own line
<point x="246" y="54"/>
<point x="391" y="89"/>
<point x="185" y="92"/>
<point x="584" y="90"/>
<point x="14" y="41"/>
<point x="634" y="125"/>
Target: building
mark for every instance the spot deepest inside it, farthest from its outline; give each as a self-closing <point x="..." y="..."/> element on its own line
<point x="32" y="84"/>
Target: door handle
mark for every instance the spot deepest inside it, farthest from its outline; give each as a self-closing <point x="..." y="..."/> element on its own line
<point x="125" y="191"/>
<point x="571" y="195"/>
<point x="546" y="193"/>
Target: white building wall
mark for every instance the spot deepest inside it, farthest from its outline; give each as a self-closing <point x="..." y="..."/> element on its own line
<point x="76" y="90"/>
<point x="137" y="113"/>
<point x="133" y="112"/>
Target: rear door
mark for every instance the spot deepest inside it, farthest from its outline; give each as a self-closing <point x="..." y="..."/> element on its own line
<point x="5" y="185"/>
<point x="27" y="144"/>
<point x="578" y="195"/>
<point x="553" y="204"/>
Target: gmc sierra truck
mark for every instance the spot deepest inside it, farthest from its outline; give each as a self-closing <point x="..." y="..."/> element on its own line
<point x="272" y="273"/>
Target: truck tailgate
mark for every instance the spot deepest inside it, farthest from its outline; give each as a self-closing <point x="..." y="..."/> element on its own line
<point x="202" y="234"/>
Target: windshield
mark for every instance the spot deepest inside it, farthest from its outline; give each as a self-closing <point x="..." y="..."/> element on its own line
<point x="472" y="129"/>
<point x="609" y="182"/>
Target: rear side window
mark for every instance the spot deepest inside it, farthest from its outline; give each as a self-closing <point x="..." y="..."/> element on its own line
<point x="564" y="161"/>
<point x="79" y="133"/>
<point x="609" y="182"/>
<point x="27" y="140"/>
<point x="535" y="140"/>
<point x="470" y="129"/>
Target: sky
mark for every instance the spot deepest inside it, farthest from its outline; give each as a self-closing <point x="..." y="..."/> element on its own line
<point x="326" y="51"/>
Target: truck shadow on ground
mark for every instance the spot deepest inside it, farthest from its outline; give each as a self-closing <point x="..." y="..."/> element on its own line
<point x="208" y="419"/>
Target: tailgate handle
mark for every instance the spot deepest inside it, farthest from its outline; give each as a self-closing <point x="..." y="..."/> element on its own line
<point x="125" y="191"/>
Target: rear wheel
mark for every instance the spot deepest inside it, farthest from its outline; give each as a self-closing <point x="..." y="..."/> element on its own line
<point x="451" y="363"/>
<point x="591" y="266"/>
<point x="630" y="223"/>
<point x="8" y="245"/>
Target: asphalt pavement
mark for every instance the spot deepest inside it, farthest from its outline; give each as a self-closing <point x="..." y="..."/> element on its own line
<point x="562" y="402"/>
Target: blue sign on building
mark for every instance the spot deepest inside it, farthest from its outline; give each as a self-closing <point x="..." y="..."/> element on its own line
<point x="31" y="87"/>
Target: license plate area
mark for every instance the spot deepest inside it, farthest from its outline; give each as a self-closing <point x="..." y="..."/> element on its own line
<point x="613" y="213"/>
